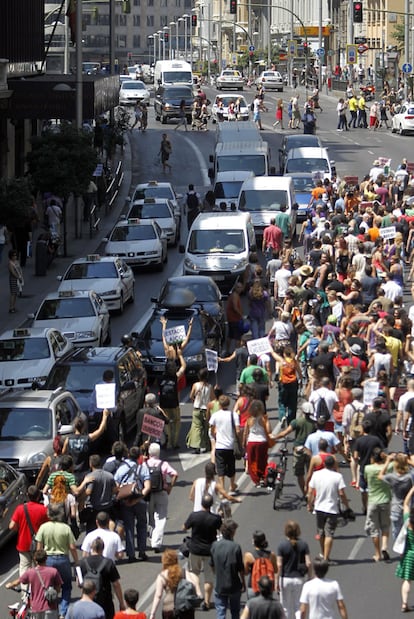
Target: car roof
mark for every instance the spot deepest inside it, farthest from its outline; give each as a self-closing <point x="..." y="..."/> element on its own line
<point x="26" y="332"/>
<point x="272" y="183"/>
<point x="301" y="138"/>
<point x="192" y="279"/>
<point x="305" y="152"/>
<point x="69" y="294"/>
<point x="25" y="398"/>
<point x="153" y="183"/>
<point x="131" y="82"/>
<point x="242" y="147"/>
<point x="94" y="355"/>
<point x="225" y="220"/>
<point x="232" y="175"/>
<point x="97" y="258"/>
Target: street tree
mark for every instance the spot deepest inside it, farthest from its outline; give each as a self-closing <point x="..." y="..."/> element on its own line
<point x="15" y="202"/>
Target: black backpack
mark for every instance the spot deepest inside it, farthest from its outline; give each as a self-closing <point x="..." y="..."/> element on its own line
<point x="168" y="393"/>
<point x="94" y="574"/>
<point x="321" y="409"/>
<point x="192" y="201"/>
<point x="157" y="482"/>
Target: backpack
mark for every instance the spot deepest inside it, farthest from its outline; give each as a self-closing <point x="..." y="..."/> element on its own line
<point x="157" y="482"/>
<point x="321" y="409"/>
<point x="355" y="429"/>
<point x="94" y="574"/>
<point x="356" y="374"/>
<point x="262" y="567"/>
<point x="168" y="393"/>
<point x="312" y="347"/>
<point x="185" y="597"/>
<point x="192" y="201"/>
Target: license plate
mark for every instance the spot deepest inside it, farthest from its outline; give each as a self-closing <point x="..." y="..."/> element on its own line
<point x="219" y="278"/>
<point x="159" y="368"/>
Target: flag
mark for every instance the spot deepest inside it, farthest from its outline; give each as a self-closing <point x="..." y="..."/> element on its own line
<point x="71" y="14"/>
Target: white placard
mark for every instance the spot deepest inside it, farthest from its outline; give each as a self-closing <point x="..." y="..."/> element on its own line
<point x="105" y="395"/>
<point x="388" y="232"/>
<point x="211" y="360"/>
<point x="175" y="335"/>
<point x="371" y="389"/>
<point x="259" y="346"/>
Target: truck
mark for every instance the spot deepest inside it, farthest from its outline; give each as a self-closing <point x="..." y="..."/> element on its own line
<point x="173" y="72"/>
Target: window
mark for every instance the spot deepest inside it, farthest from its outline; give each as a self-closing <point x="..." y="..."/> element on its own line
<point x="136" y="41"/>
<point x="122" y="20"/>
<point x="137" y="20"/>
<point x="150" y="2"/>
<point x="163" y="21"/>
<point x="137" y="2"/>
<point x="150" y="21"/>
<point x="121" y="41"/>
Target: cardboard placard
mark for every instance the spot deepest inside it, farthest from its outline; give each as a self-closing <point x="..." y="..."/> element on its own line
<point x="259" y="346"/>
<point x="105" y="395"/>
<point x="152" y="426"/>
<point x="371" y="389"/>
<point x="211" y="360"/>
<point x="388" y="232"/>
<point x="175" y="335"/>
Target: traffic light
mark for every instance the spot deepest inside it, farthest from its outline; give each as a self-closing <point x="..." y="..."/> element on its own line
<point x="126" y="6"/>
<point x="166" y="37"/>
<point x="233" y="7"/>
<point x="357" y="12"/>
<point x="305" y="49"/>
<point x="194" y="21"/>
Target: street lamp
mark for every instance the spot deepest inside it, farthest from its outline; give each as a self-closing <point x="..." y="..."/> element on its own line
<point x="179" y="21"/>
<point x="185" y="17"/>
<point x="160" y="38"/>
<point x="156" y="56"/>
<point x="150" y="42"/>
<point x="166" y="30"/>
<point x="173" y="23"/>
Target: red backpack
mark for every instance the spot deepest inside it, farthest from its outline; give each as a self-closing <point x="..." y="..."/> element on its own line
<point x="262" y="567"/>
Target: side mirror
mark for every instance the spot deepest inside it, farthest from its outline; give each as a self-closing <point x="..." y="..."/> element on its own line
<point x="65" y="429"/>
<point x="31" y="316"/>
<point x="59" y="278"/>
<point x="181" y="249"/>
<point x="153" y="300"/>
<point x="105" y="239"/>
<point x="295" y="206"/>
<point x="128" y="199"/>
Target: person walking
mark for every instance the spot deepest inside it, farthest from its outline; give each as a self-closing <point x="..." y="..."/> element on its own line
<point x="182" y="119"/>
<point x="100" y="489"/>
<point x="208" y="485"/>
<point x="255" y="440"/>
<point x="113" y="545"/>
<point x="258" y="299"/>
<point x="377" y="524"/>
<point x="258" y="107"/>
<point x="131" y="597"/>
<point x="192" y="204"/>
<point x="86" y="607"/>
<point x="169" y="399"/>
<point x="77" y="445"/>
<point x="227" y="562"/>
<point x="321" y="597"/>
<point x="272" y="239"/>
<point x="201" y="394"/>
<point x="293" y="564"/>
<point x="260" y="551"/>
<point x="341" y="110"/>
<point x="166" y="585"/>
<point x="138" y="115"/>
<point x="405" y="568"/>
<point x="263" y="605"/>
<point x="165" y="152"/>
<point x="163" y="477"/>
<point x="224" y="426"/>
<point x="279" y="113"/>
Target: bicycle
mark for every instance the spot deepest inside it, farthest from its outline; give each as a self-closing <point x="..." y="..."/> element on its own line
<point x="281" y="469"/>
<point x="20" y="610"/>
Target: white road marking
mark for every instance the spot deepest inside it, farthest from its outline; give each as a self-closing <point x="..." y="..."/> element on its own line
<point x="201" y="161"/>
<point x="370" y="152"/>
<point x="189" y="460"/>
<point x="356" y="548"/>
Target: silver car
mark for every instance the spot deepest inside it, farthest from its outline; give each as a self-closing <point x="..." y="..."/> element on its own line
<point x="229" y="78"/>
<point x="270" y="80"/>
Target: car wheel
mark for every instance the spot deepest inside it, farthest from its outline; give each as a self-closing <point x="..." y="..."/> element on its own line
<point x="166" y="257"/>
<point x="108" y="335"/>
<point x="393" y="129"/>
<point x="401" y="130"/>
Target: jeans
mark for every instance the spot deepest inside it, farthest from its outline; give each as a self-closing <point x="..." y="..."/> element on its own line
<point x="224" y="601"/>
<point x="257" y="326"/>
<point x="62" y="564"/>
<point x="288" y="400"/>
<point x="135" y="516"/>
<point x="396" y="523"/>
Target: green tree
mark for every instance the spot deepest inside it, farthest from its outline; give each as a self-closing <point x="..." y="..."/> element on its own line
<point x="399" y="34"/>
<point x="15" y="202"/>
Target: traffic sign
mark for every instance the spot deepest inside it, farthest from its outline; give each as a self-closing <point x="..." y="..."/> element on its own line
<point x="360" y="40"/>
<point x="320" y="52"/>
<point x="351" y="54"/>
<point x="407" y="67"/>
<point x="292" y="48"/>
<point x="251" y="48"/>
<point x="362" y="48"/>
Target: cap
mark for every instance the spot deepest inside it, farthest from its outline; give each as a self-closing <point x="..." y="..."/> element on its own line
<point x="306" y="270"/>
<point x="376" y="162"/>
<point x="356" y="349"/>
<point x="307" y="408"/>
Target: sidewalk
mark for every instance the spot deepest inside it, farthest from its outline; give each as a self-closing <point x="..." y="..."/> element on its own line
<point x="36" y="287"/>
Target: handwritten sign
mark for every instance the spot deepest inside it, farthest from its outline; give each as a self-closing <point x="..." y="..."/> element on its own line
<point x="259" y="346"/>
<point x="175" y="335"/>
<point x="371" y="389"/>
<point x="211" y="360"/>
<point x="152" y="426"/>
<point x="105" y="395"/>
<point x="388" y="232"/>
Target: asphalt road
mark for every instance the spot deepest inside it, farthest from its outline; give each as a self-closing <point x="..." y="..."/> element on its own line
<point x="370" y="589"/>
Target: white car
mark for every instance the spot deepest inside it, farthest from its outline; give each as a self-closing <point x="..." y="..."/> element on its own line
<point x="110" y="277"/>
<point x="403" y="120"/>
<point x="28" y="355"/>
<point x="270" y="80"/>
<point x="159" y="189"/>
<point x="162" y="211"/>
<point x="139" y="243"/>
<point x="82" y="316"/>
<point x="229" y="78"/>
<point x="221" y="112"/>
<point x="132" y="91"/>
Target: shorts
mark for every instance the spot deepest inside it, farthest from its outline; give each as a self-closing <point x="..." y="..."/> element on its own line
<point x="326" y="523"/>
<point x="201" y="563"/>
<point x="363" y="484"/>
<point x="256" y="117"/>
<point x="300" y="462"/>
<point x="225" y="463"/>
<point x="378" y="519"/>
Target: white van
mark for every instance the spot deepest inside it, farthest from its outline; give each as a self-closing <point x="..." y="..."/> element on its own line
<point x="249" y="156"/>
<point x="219" y="245"/>
<point x="229" y="131"/>
<point x="310" y="159"/>
<point x="262" y="198"/>
<point x="173" y="72"/>
<point x="227" y="188"/>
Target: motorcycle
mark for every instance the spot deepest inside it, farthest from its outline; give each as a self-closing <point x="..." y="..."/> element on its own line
<point x="368" y="92"/>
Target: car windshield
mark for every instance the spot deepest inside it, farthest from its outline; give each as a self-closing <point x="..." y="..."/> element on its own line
<point x="271" y="74"/>
<point x="250" y="163"/>
<point x="303" y="184"/>
<point x="24" y="349"/>
<point x="305" y="165"/>
<point x="150" y="211"/>
<point x="133" y="233"/>
<point x="228" y="189"/>
<point x="202" y="292"/>
<point x="255" y="200"/>
<point x="155" y="328"/>
<point x="80" y="378"/>
<point x="65" y="308"/>
<point x="133" y="86"/>
<point x="299" y="141"/>
<point x="23" y="424"/>
<point x="175" y="77"/>
<point x="92" y="270"/>
<point x="216" y="242"/>
<point x="154" y="192"/>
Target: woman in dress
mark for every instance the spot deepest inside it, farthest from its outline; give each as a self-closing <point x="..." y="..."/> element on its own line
<point x="201" y="394"/>
<point x="405" y="569"/>
<point x="166" y="585"/>
<point x="255" y="440"/>
<point x="15" y="279"/>
<point x="279" y="113"/>
<point x="293" y="563"/>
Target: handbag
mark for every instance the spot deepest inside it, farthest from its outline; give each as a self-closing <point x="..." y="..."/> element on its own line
<point x="399" y="544"/>
<point x="237" y="448"/>
<point x="50" y="593"/>
<point x="33" y="544"/>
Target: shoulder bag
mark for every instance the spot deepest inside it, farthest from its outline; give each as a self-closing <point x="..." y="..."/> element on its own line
<point x="129" y="494"/>
<point x="33" y="544"/>
<point x="399" y="544"/>
<point x="237" y="448"/>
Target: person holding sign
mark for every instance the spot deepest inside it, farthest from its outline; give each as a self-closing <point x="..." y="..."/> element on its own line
<point x="174" y="339"/>
<point x="201" y="394"/>
<point x="151" y="421"/>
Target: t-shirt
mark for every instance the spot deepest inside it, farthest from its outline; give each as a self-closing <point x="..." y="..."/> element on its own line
<point x="69" y="479"/>
<point x="322" y="596"/>
<point x="121" y="614"/>
<point x="364" y="446"/>
<point x="227" y="560"/>
<point x="303" y="426"/>
<point x="112" y="542"/>
<point x="109" y="574"/>
<point x="312" y="441"/>
<point x="400" y="485"/>
<point x="380" y="421"/>
<point x="246" y="377"/>
<point x="37" y="514"/>
<point x="50" y="577"/>
<point x="204" y="526"/>
<point x="85" y="610"/>
<point x="102" y="485"/>
<point x="292" y="555"/>
<point x="328" y="395"/>
<point x="327" y="485"/>
<point x="56" y="538"/>
<point x="221" y="420"/>
<point x="379" y="492"/>
<point x="263" y="608"/>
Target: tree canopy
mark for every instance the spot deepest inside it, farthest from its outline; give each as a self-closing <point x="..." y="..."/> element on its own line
<point x="15" y="202"/>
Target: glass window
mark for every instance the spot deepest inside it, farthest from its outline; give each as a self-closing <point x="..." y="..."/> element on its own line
<point x="137" y="20"/>
<point x="253" y="163"/>
<point x="91" y="270"/>
<point x="136" y="40"/>
<point x="150" y="21"/>
<point x="149" y="211"/>
<point x="80" y="378"/>
<point x="52" y="309"/>
<point x="309" y="164"/>
<point x="25" y="423"/>
<point x="263" y="200"/>
<point x="228" y="189"/>
<point x="133" y="233"/>
<point x="24" y="349"/>
<point x="216" y="241"/>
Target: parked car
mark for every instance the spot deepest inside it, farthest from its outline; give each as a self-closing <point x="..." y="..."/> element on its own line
<point x="167" y="102"/>
<point x="403" y="120"/>
<point x="270" y="80"/>
<point x="110" y="277"/>
<point x="29" y="421"/>
<point x="13" y="487"/>
<point x="222" y="113"/>
<point x="229" y="78"/>
<point x="132" y="91"/>
<point x="139" y="243"/>
<point x="28" y="355"/>
<point x="80" y="370"/>
<point x="81" y="315"/>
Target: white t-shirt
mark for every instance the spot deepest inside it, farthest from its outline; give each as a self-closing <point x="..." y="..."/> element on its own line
<point x="328" y="395"/>
<point x="282" y="277"/>
<point x="111" y="539"/>
<point x="221" y="420"/>
<point x="327" y="485"/>
<point x="392" y="290"/>
<point x="200" y="491"/>
<point x="322" y="596"/>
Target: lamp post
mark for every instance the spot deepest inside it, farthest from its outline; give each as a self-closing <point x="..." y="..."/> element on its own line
<point x="186" y="17"/>
<point x="160" y="38"/>
<point x="174" y="23"/>
<point x="151" y="42"/>
<point x="179" y="21"/>
<point x="154" y="36"/>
